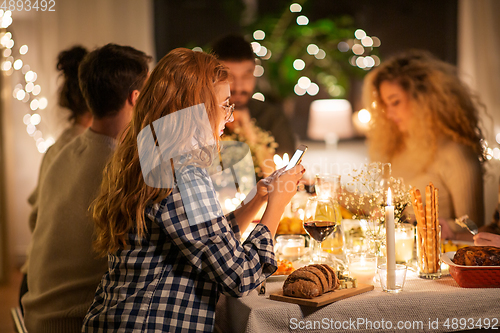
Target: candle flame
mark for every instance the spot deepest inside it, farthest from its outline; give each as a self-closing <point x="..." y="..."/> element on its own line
<point x="389" y="197"/>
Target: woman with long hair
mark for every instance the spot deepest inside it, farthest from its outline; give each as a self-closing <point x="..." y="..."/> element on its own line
<point x="426" y="124"/>
<point x="170" y="250"/>
<point x="71" y="99"/>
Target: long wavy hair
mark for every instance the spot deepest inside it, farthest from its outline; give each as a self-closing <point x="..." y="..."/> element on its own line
<point x="182" y="79"/>
<point x="441" y="105"/>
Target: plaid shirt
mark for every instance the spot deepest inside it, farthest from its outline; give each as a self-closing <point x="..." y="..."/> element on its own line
<point x="170" y="281"/>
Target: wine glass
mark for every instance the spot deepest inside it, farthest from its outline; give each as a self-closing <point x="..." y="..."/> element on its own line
<point x="320" y="220"/>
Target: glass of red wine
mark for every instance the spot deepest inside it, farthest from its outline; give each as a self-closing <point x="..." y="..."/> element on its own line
<point x="321" y="219"/>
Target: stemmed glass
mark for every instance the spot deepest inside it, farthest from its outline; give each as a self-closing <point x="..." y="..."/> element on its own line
<point x="321" y="219"/>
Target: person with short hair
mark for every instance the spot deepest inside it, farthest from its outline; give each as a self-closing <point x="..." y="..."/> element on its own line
<point x="64" y="271"/>
<point x="237" y="54"/>
<point x="171" y="251"/>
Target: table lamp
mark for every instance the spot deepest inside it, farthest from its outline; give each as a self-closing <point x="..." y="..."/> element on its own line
<point x="330" y="120"/>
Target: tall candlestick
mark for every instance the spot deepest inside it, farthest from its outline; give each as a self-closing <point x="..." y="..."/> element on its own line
<point x="390" y="242"/>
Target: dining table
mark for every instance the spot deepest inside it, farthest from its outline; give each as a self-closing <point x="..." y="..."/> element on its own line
<point x="423" y="305"/>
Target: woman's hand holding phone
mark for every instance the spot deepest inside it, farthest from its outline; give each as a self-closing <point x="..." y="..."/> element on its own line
<point x="282" y="186"/>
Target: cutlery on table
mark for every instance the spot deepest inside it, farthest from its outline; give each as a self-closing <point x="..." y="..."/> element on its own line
<point x="466" y="222"/>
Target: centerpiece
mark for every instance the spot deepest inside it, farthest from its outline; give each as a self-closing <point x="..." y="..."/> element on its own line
<point x="365" y="194"/>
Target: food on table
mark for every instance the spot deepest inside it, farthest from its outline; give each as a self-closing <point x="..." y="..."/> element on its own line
<point x="333" y="244"/>
<point x="346" y="213"/>
<point x="311" y="281"/>
<point x="450" y="246"/>
<point x="478" y="256"/>
<point x="428" y="246"/>
<point x="285" y="267"/>
<point x="290" y="225"/>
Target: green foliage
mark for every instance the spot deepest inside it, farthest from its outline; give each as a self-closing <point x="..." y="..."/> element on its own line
<point x="288" y="41"/>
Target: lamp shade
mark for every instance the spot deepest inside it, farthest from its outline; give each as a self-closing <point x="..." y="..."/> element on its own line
<point x="330" y="116"/>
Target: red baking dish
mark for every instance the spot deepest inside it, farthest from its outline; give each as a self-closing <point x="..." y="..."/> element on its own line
<point x="472" y="276"/>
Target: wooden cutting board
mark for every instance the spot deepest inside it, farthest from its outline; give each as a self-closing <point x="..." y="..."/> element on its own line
<point x="324" y="299"/>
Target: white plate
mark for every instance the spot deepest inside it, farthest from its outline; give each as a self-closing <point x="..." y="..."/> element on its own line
<point x="448" y="256"/>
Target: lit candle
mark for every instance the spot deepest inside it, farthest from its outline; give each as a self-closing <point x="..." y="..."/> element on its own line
<point x="390" y="242"/>
<point x="364" y="270"/>
<point x="404" y="243"/>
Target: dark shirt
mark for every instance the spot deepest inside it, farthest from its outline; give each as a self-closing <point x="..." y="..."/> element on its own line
<point x="271" y="118"/>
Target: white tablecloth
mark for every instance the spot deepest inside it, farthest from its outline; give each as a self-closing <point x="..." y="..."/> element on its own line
<point x="423" y="306"/>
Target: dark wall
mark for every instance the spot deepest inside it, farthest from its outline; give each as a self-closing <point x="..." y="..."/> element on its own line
<point x="400" y="25"/>
<point x="189" y="23"/>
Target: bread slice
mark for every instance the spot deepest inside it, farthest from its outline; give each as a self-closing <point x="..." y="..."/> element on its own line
<point x="321" y="276"/>
<point x="335" y="282"/>
<point x="328" y="276"/>
<point x="302" y="283"/>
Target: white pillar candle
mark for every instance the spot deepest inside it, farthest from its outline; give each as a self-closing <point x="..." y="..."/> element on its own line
<point x="404" y="243"/>
<point x="364" y="271"/>
<point x="390" y="242"/>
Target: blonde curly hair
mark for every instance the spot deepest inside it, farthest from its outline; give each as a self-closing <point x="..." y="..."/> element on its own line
<point x="183" y="78"/>
<point x="441" y="105"/>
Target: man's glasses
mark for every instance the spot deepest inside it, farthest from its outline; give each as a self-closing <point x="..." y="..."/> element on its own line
<point x="229" y="111"/>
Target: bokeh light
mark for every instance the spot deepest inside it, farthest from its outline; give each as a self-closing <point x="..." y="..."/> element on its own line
<point x="304" y="82"/>
<point x="302" y="20"/>
<point x="364" y="116"/>
<point x="295" y="8"/>
<point x="343" y="47"/>
<point x="299" y="90"/>
<point x="313" y="89"/>
<point x="299" y="64"/>
<point x="258" y="71"/>
<point x="320" y="55"/>
<point x="359" y="34"/>
<point x="259" y="35"/>
<point x="367" y="41"/>
<point x="358" y="49"/>
<point x="312" y="49"/>
<point x="259" y="96"/>
<point x="23" y="49"/>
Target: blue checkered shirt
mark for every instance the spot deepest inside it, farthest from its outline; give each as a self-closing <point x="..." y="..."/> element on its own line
<point x="170" y="280"/>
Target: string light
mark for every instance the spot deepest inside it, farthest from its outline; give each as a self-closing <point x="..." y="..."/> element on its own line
<point x="312" y="49"/>
<point x="304" y="82"/>
<point x="295" y="8"/>
<point x="299" y="64"/>
<point x="259" y="96"/>
<point x="302" y="20"/>
<point x="23" y="92"/>
<point x="313" y="89"/>
<point x="258" y="71"/>
<point x="259" y="35"/>
<point x="360" y="46"/>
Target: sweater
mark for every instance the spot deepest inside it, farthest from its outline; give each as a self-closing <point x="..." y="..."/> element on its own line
<point x="455" y="170"/>
<point x="51" y="153"/>
<point x="64" y="272"/>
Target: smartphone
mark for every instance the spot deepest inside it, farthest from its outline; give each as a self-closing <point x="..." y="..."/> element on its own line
<point x="297" y="157"/>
